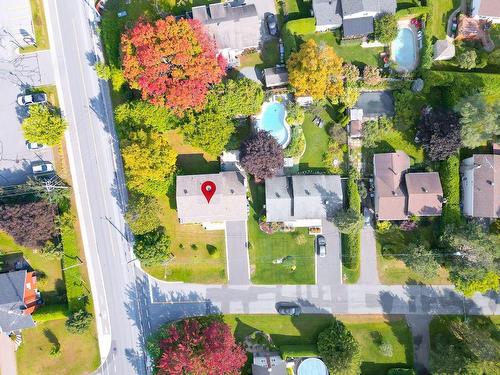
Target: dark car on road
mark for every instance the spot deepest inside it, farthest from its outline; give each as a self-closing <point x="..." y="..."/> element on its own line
<point x="288" y="308"/>
<point x="321" y="246"/>
<point x="272" y="24"/>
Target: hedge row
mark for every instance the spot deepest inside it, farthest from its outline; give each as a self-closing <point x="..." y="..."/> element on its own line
<point x="450" y="179"/>
<point x="51" y="312"/>
<point x="413" y="11"/>
<point x="351" y="243"/>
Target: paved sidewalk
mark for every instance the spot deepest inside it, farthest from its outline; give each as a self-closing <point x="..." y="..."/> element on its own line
<point x="238" y="268"/>
<point x="7" y="356"/>
<point x="368" y="265"/>
<point x="419" y="325"/>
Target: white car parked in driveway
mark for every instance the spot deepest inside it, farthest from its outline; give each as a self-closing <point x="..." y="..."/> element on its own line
<point x="41" y="167"/>
<point x="28" y="99"/>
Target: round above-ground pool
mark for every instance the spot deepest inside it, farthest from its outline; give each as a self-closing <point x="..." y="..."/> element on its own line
<point x="404" y="49"/>
<point x="312" y="366"/>
<point x="273" y="119"/>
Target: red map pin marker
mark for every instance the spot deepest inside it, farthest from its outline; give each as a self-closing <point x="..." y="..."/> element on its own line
<point x="208" y="189"/>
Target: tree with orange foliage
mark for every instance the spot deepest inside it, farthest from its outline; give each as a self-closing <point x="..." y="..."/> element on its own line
<point x="172" y="62"/>
<point x="315" y="70"/>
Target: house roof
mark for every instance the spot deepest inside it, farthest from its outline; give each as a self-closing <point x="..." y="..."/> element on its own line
<point x="357" y="26"/>
<point x="486" y="193"/>
<point x="444" y="49"/>
<point x="275" y="77"/>
<point x="12" y="306"/>
<point x="355" y="128"/>
<point x="489" y="8"/>
<point x="379" y="6"/>
<point x="356" y="114"/>
<point x="389" y="184"/>
<point x="425" y="194"/>
<point x="302" y="197"/>
<point x="229" y="202"/>
<point x="376" y="103"/>
<point x="231" y="27"/>
<point x="327" y="13"/>
<point x="268" y="364"/>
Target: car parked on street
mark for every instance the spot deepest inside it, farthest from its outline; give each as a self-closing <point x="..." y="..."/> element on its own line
<point x="42" y="167"/>
<point x="321" y="246"/>
<point x="288" y="308"/>
<point x="272" y="24"/>
<point x="35" y="98"/>
<point x="34" y="145"/>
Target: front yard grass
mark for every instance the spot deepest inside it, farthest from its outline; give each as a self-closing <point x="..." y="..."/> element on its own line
<point x="191" y="263"/>
<point x="268" y="57"/>
<point x="391" y="269"/>
<point x="79" y="354"/>
<point x="39" y="26"/>
<point x="303" y="330"/>
<point x="264" y="248"/>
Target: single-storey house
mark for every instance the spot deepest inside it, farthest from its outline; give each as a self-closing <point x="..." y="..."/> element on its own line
<point x="275" y="77"/>
<point x="399" y="193"/>
<point x="228" y="203"/>
<point x="481" y="185"/>
<point x="303" y="200"/>
<point x="486" y="9"/>
<point x="269" y="363"/>
<point x="234" y="28"/>
<point x="19" y="298"/>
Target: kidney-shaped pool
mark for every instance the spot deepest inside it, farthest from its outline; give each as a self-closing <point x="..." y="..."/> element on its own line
<point x="273" y="119"/>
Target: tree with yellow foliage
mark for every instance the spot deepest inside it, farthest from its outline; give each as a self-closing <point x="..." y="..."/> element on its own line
<point x="316" y="70"/>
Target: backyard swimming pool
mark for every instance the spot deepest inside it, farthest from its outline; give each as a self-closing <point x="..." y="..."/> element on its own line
<point x="404" y="49"/>
<point x="272" y="119"/>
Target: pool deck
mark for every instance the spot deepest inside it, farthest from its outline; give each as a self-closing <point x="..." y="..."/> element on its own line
<point x="258" y="117"/>
<point x="405" y="23"/>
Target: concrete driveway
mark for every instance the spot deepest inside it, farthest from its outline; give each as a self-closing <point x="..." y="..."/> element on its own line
<point x="7" y="356"/>
<point x="328" y="268"/>
<point x="18" y="72"/>
<point x="238" y="268"/>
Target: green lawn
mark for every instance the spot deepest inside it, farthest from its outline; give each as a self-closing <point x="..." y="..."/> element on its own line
<point x="39" y="26"/>
<point x="304" y="329"/>
<point x="440" y="11"/>
<point x="268" y="57"/>
<point x="316" y="146"/>
<point x="79" y="354"/>
<point x="297" y="9"/>
<point x="191" y="265"/>
<point x="391" y="269"/>
<point x="264" y="248"/>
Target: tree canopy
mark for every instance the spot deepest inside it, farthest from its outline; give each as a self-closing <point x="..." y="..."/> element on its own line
<point x="480" y="120"/>
<point x="138" y="114"/>
<point x="371" y="75"/>
<point x="190" y="347"/>
<point x="173" y="62"/>
<point x="386" y="28"/>
<point x="467" y="59"/>
<point x="143" y="214"/>
<point x="339" y="350"/>
<point x="153" y="247"/>
<point x="439" y="133"/>
<point x="422" y="261"/>
<point x="149" y="162"/>
<point x="349" y="221"/>
<point x="315" y="70"/>
<point x="261" y="155"/>
<point x="374" y="130"/>
<point x="44" y="125"/>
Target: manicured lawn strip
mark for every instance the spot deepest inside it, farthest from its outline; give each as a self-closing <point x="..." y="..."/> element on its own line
<point x="266" y="58"/>
<point x="191" y="265"/>
<point x="264" y="248"/>
<point x="391" y="269"/>
<point x="297" y="8"/>
<point x="79" y="353"/>
<point x="39" y="26"/>
<point x="316" y="145"/>
<point x="302" y="332"/>
<point x="440" y="11"/>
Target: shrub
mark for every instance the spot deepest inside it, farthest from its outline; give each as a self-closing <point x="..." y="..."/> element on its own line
<point x="449" y="173"/>
<point x="338" y="134"/>
<point x="386" y="28"/>
<point x="295" y="114"/>
<point x="297" y="144"/>
<point x="333" y="158"/>
<point x="79" y="321"/>
<point x="143" y="214"/>
<point x="351" y="73"/>
<point x="51" y="250"/>
<point x="103" y="71"/>
<point x="386" y="349"/>
<point x="384" y="226"/>
<point x="213" y="251"/>
<point x="153" y="247"/>
<point x="401" y="371"/>
<point x="371" y="75"/>
<point x="467" y="59"/>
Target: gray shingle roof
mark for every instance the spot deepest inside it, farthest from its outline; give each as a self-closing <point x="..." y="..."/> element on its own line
<point x="275" y="77"/>
<point x="231" y="27"/>
<point x="12" y="302"/>
<point x="376" y="103"/>
<point x="327" y="13"/>
<point x="379" y="6"/>
<point x="302" y="197"/>
<point x="229" y="202"/>
<point x="357" y="26"/>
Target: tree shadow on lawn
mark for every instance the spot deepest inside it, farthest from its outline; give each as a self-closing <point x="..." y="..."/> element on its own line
<point x="51" y="337"/>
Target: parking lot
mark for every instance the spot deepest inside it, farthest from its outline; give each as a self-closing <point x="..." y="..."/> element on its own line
<point x="17" y="73"/>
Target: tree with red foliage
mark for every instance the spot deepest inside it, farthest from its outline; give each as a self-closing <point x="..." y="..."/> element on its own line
<point x="193" y="348"/>
<point x="172" y="62"/>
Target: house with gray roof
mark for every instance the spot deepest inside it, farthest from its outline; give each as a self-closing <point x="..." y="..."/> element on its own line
<point x="327" y="14"/>
<point x="18" y="300"/>
<point x="234" y="28"/>
<point x="229" y="202"/>
<point x="268" y="363"/>
<point x="303" y="200"/>
<point x="481" y="185"/>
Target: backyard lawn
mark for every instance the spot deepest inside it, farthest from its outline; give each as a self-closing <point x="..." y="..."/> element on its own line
<point x="316" y="146"/>
<point x="303" y="330"/>
<point x="39" y="26"/>
<point x="264" y="248"/>
<point x="441" y="11"/>
<point x="192" y="262"/>
<point x="391" y="269"/>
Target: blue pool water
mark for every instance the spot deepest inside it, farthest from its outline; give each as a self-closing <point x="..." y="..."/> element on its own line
<point x="403" y="49"/>
<point x="273" y="121"/>
<point x="312" y="366"/>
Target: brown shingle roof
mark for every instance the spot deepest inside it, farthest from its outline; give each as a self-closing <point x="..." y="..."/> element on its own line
<point x="425" y="194"/>
<point x="486" y="186"/>
<point x="389" y="187"/>
<point x="489" y="8"/>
